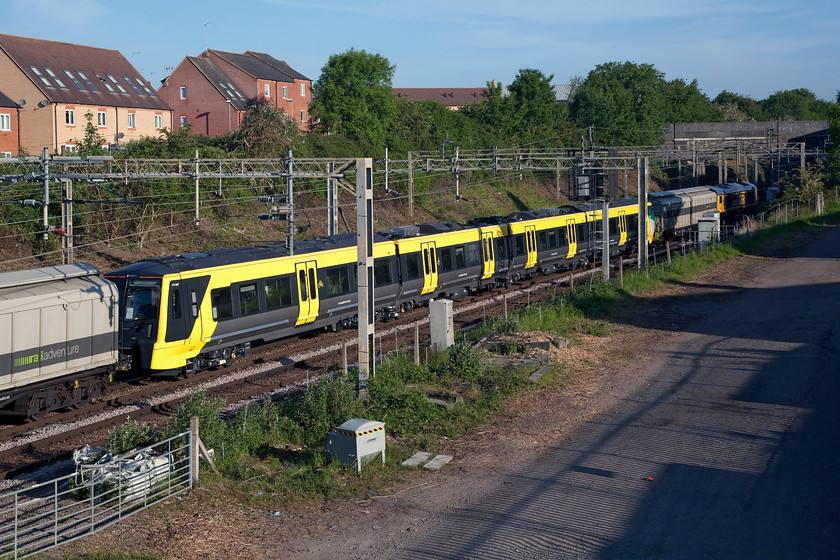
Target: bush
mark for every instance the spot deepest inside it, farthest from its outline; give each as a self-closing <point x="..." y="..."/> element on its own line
<point x="130" y="435"/>
<point x="329" y="403"/>
<point x="464" y="362"/>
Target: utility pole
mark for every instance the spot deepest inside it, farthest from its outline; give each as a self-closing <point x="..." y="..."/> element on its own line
<point x="364" y="251"/>
<point x="332" y="200"/>
<point x="642" y="166"/>
<point x="45" y="167"/>
<point x="67" y="220"/>
<point x="290" y="202"/>
<point x="605" y="239"/>
<point x="410" y="185"/>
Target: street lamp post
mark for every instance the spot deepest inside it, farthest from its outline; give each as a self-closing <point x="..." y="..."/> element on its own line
<point x="229" y="126"/>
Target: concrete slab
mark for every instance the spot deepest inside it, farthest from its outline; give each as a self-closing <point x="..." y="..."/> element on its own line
<point x="416" y="459"/>
<point x="537" y="375"/>
<point x="437" y="462"/>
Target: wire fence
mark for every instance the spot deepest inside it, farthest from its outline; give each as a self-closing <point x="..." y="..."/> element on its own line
<point x="46" y="515"/>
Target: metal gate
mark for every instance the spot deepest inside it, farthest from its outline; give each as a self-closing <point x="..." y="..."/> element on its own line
<point x="45" y="515"/>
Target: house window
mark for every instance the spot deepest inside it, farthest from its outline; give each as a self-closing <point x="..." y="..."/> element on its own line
<point x="101" y="119"/>
<point x="183" y="92"/>
<point x="183" y="121"/>
<point x="87" y="81"/>
<point x="116" y="83"/>
<point x="158" y="122"/>
<point x="134" y="87"/>
<point x="6" y="154"/>
<point x="41" y="77"/>
<point x="302" y="90"/>
<point x="285" y="92"/>
<point x="267" y="90"/>
<point x="303" y="116"/>
<point x="5" y="121"/>
<point x="56" y="78"/>
<point x="75" y="80"/>
<point x="132" y="120"/>
<point x="70" y="149"/>
<point x="70" y="117"/>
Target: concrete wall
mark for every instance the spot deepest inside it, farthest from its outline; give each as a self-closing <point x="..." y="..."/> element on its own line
<point x="813" y="133"/>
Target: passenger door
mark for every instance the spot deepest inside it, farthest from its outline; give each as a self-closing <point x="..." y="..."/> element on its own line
<point x="531" y="245"/>
<point x="430" y="274"/>
<point x="307" y="281"/>
<point x="487" y="254"/>
<point x="622" y="227"/>
<point x="571" y="237"/>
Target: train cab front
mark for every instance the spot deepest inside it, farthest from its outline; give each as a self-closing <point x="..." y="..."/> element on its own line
<point x="139" y="321"/>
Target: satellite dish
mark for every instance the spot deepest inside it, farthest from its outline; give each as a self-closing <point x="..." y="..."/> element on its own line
<point x="22" y="102"/>
<point x="43" y="103"/>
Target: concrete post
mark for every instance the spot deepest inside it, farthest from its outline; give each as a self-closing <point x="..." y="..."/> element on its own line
<point x="364" y="245"/>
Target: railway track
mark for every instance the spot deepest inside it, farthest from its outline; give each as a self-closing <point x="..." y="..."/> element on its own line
<point x="273" y="370"/>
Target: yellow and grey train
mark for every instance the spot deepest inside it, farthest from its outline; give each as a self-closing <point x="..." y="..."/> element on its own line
<point x="186" y="313"/>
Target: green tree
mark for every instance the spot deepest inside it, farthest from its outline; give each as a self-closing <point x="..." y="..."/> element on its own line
<point x="493" y="114"/>
<point x="624" y="102"/>
<point x="734" y="107"/>
<point x="795" y="105"/>
<point x="536" y="114"/>
<point x="834" y="132"/>
<point x="91" y="143"/>
<point x="686" y="103"/>
<point x="353" y="97"/>
<point x="266" y="130"/>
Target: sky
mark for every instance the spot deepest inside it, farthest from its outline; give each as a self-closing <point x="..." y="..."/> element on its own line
<point x="753" y="48"/>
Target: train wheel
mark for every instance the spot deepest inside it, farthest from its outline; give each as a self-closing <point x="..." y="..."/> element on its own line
<point x="38" y="408"/>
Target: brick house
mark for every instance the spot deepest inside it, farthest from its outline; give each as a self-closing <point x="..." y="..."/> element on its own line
<point x="9" y="128"/>
<point x="62" y="82"/>
<point x="212" y="91"/>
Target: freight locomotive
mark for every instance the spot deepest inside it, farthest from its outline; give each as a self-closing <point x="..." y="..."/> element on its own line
<point x="64" y="329"/>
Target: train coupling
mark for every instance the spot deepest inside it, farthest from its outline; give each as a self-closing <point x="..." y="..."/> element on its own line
<point x="124" y="363"/>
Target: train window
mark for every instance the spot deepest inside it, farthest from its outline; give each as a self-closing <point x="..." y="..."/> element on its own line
<point x="552" y="239"/>
<point x="501" y="248"/>
<point x="518" y="245"/>
<point x="194" y="306"/>
<point x="460" y="258"/>
<point x="222" y="303"/>
<point x="278" y="292"/>
<point x="175" y="302"/>
<point x="313" y="284"/>
<point x="302" y="285"/>
<point x="486" y="249"/>
<point x="561" y="237"/>
<point x="542" y="241"/>
<point x="382" y="271"/>
<point x="446" y="260"/>
<point x="338" y="281"/>
<point x="613" y="226"/>
<point x="426" y="260"/>
<point x="473" y="257"/>
<point x="582" y="234"/>
<point x="248" y="300"/>
<point x="412" y="266"/>
<point x="434" y="261"/>
<point x="141" y="301"/>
